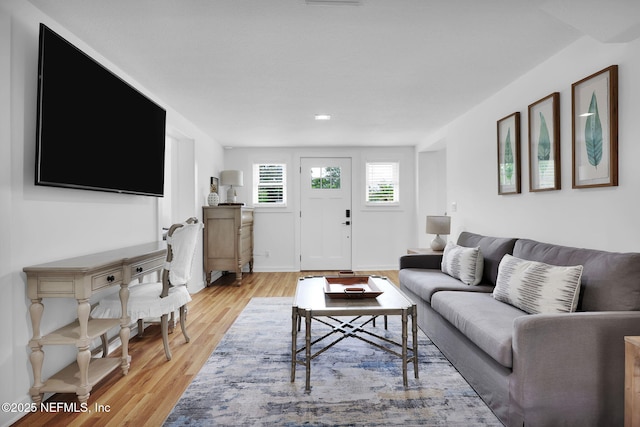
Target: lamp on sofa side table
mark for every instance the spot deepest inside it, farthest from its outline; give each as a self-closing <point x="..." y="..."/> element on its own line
<point x="438" y="225"/>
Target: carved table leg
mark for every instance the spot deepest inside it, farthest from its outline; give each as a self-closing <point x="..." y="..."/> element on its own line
<point x="37" y="355"/>
<point x="84" y="354"/>
<point x="125" y="331"/>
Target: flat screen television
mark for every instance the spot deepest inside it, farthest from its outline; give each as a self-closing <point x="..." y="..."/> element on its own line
<point x="94" y="130"/>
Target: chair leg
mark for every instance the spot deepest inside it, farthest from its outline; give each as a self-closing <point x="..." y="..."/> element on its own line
<point x="183" y="318"/>
<point x="105" y="345"/>
<point x="172" y="322"/>
<point x="164" y="322"/>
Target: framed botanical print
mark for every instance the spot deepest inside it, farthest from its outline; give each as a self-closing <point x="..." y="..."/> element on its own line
<point x="509" y="154"/>
<point x="594" y="125"/>
<point x="544" y="144"/>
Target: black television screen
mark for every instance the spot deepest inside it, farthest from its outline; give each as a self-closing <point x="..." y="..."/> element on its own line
<point x="94" y="131"/>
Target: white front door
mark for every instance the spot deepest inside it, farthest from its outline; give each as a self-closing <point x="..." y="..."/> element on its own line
<point x="325" y="213"/>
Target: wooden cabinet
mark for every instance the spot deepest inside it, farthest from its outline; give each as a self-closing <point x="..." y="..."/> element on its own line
<point x="228" y="239"/>
<point x="79" y="278"/>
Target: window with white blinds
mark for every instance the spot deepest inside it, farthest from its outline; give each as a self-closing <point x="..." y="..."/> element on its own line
<point x="270" y="184"/>
<point x="383" y="183"/>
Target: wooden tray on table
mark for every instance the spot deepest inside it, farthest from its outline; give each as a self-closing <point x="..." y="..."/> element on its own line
<point x="351" y="287"/>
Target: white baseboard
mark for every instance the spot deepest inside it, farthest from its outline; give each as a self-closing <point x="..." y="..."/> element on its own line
<point x="197" y="287"/>
<point x="287" y="269"/>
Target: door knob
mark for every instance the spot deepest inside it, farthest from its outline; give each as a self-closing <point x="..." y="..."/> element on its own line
<point x="347" y="223"/>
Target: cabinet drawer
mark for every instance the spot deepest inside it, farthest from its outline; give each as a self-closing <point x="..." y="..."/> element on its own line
<point x="143" y="268"/>
<point x="53" y="286"/>
<point x="104" y="280"/>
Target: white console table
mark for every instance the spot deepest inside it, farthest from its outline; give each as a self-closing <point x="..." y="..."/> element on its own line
<point x="78" y="278"/>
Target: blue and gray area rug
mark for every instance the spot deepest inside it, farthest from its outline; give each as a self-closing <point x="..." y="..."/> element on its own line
<point x="247" y="381"/>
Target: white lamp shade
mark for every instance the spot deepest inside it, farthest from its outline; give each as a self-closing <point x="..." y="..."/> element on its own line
<point x="231" y="177"/>
<point x="438" y="224"/>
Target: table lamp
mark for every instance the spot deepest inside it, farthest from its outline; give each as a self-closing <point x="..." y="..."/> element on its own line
<point x="231" y="178"/>
<point x="438" y="225"/>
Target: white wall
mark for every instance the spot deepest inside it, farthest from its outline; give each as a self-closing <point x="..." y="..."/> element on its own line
<point x="432" y="190"/>
<point x="602" y="218"/>
<point x="40" y="224"/>
<point x="379" y="235"/>
<point x="13" y="296"/>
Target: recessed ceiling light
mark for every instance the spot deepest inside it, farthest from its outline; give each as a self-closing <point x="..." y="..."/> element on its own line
<point x="322" y="117"/>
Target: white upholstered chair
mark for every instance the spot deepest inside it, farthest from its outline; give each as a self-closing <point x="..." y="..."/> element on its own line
<point x="150" y="301"/>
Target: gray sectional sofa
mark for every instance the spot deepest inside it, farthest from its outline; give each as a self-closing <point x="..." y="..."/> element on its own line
<point x="559" y="369"/>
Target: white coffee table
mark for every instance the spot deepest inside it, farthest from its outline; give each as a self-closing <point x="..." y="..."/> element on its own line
<point x="311" y="303"/>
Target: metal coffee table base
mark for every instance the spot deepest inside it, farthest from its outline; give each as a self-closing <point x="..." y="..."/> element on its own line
<point x="355" y="330"/>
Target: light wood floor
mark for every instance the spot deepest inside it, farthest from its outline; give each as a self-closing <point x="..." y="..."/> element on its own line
<point x="153" y="386"/>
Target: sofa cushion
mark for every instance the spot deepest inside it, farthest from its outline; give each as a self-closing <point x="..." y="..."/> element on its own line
<point x="610" y="280"/>
<point x="492" y="248"/>
<point x="425" y="283"/>
<point x="537" y="287"/>
<point x="465" y="264"/>
<point x="486" y="322"/>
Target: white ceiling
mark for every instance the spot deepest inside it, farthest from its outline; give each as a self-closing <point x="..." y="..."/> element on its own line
<point x="389" y="72"/>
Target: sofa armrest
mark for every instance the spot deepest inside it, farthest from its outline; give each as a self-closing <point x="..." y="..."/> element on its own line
<point x="425" y="261"/>
<point x="570" y="367"/>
